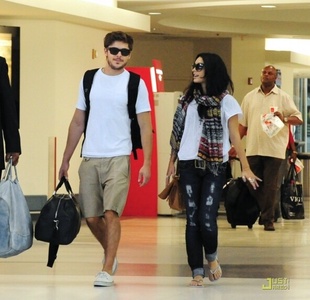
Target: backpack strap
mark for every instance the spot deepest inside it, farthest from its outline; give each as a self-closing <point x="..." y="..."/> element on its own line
<point x="87" y="83"/>
<point x="133" y="86"/>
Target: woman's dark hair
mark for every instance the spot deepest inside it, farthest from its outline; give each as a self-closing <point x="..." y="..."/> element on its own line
<point x="217" y="78"/>
<point x="114" y="36"/>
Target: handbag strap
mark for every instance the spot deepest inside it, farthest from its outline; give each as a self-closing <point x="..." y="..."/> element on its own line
<point x="52" y="254"/>
<point x="177" y="168"/>
<point x="65" y="181"/>
<point x="291" y="174"/>
<point x="8" y="170"/>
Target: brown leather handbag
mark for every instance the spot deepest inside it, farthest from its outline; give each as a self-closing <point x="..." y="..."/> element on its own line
<point x="172" y="193"/>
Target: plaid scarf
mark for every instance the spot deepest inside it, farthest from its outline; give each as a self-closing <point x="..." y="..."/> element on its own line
<point x="211" y="141"/>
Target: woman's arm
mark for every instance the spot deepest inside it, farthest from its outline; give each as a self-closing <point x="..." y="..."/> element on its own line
<point x="235" y="139"/>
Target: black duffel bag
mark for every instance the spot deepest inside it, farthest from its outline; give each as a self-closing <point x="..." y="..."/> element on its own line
<point x="59" y="221"/>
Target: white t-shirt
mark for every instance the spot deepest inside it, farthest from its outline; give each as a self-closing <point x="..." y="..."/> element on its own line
<point x="108" y="127"/>
<point x="193" y="127"/>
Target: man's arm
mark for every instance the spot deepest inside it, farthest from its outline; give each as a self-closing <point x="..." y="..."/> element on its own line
<point x="9" y="118"/>
<point x="144" y="120"/>
<point x="291" y="120"/>
<point x="75" y="132"/>
<point x="235" y="138"/>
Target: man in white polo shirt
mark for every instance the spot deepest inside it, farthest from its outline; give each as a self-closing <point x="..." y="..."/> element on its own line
<point x="265" y="154"/>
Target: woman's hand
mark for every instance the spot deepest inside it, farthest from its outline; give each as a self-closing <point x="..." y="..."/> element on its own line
<point x="251" y="177"/>
<point x="170" y="171"/>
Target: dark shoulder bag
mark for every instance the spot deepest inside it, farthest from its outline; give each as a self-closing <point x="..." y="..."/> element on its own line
<point x="59" y="221"/>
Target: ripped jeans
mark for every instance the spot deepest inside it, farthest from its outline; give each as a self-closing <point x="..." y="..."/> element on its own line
<point x="202" y="193"/>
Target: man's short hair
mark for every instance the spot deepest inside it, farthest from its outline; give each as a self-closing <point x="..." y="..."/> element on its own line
<point x="121" y="36"/>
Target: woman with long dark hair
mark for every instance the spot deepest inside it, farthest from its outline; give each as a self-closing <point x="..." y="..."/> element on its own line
<point x="205" y="126"/>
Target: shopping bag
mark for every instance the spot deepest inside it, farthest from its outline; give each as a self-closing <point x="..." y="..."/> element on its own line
<point x="292" y="204"/>
<point x="271" y="124"/>
<point x="16" y="229"/>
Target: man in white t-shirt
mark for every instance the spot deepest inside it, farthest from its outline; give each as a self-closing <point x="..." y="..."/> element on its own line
<point x="105" y="169"/>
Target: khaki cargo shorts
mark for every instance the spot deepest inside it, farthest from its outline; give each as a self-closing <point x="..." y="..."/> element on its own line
<point x="104" y="185"/>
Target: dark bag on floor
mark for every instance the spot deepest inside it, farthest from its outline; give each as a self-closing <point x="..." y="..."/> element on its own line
<point x="241" y="207"/>
<point x="292" y="204"/>
<point x="59" y="221"/>
<point x="173" y="194"/>
<point x="16" y="229"/>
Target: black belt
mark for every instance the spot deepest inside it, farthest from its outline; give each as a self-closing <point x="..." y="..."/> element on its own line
<point x="197" y="163"/>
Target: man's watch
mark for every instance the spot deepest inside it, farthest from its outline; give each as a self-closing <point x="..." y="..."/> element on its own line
<point x="285" y="119"/>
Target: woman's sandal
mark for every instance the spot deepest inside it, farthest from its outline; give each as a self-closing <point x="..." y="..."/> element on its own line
<point x="197" y="281"/>
<point x="216" y="273"/>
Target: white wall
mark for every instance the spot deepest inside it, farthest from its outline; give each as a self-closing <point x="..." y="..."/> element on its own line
<point x="54" y="56"/>
<point x="176" y="56"/>
<point x="248" y="59"/>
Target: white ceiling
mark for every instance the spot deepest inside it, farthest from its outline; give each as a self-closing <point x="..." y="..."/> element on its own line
<point x="178" y="18"/>
<point x="226" y="18"/>
<point x="221" y="18"/>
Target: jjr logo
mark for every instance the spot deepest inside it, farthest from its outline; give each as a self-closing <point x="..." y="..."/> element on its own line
<point x="276" y="284"/>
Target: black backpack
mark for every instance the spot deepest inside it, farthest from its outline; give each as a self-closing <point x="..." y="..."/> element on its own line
<point x="133" y="85"/>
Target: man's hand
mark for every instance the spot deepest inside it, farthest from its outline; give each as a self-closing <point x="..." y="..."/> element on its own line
<point x="144" y="175"/>
<point x="15" y="157"/>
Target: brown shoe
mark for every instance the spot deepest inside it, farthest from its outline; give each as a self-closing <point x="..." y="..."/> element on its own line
<point x="269" y="226"/>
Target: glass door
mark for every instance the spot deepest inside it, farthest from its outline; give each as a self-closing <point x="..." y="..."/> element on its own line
<point x="302" y="100"/>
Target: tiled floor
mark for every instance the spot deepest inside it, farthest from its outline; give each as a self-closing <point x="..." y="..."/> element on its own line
<point x="152" y="265"/>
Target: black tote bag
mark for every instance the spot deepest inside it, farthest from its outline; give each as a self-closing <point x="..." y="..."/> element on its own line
<point x="292" y="204"/>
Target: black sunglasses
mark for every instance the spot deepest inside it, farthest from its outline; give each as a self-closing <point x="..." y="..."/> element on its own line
<point x="198" y="67"/>
<point x="114" y="51"/>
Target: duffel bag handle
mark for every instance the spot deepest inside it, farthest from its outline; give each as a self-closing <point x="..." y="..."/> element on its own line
<point x="65" y="181"/>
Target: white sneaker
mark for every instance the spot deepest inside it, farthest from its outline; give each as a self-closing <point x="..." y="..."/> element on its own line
<point x="115" y="265"/>
<point x="103" y="279"/>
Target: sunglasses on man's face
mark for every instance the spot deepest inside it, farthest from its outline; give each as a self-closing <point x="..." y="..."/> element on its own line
<point x="198" y="67"/>
<point x="124" y="51"/>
